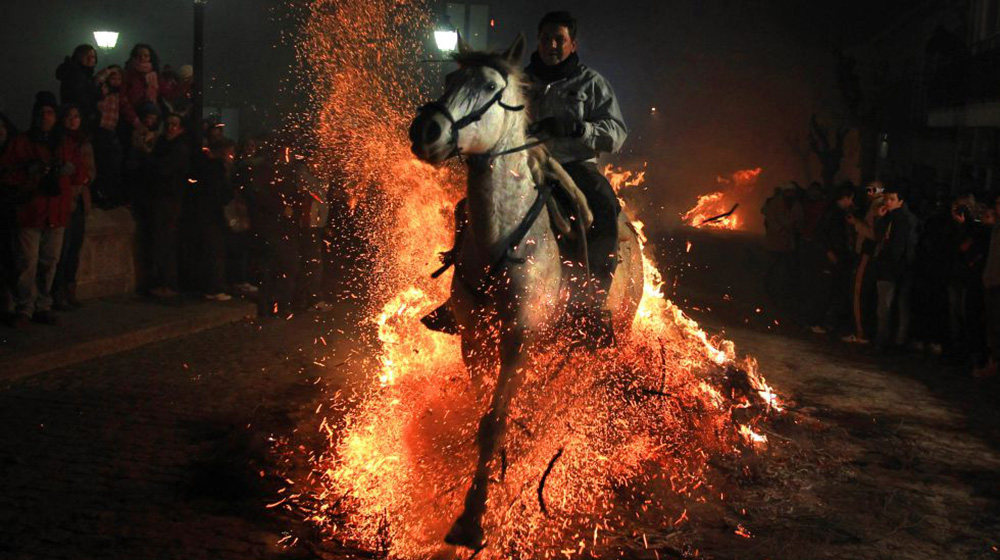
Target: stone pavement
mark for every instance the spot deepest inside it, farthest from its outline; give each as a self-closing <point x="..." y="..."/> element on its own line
<point x="157" y="453"/>
<point x="107" y="326"/>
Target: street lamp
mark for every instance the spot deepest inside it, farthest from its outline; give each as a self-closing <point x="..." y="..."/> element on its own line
<point x="106" y="39"/>
<point x="446" y="36"/>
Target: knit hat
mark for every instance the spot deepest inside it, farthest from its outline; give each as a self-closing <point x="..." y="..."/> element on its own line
<point x="148" y="108"/>
<point x="185" y="72"/>
<point x="44" y="99"/>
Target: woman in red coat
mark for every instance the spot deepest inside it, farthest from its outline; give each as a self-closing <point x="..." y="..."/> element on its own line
<point x="43" y="169"/>
<point x="141" y="84"/>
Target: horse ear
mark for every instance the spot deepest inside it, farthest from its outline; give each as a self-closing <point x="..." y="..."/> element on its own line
<point x="463" y="46"/>
<point x="514" y="53"/>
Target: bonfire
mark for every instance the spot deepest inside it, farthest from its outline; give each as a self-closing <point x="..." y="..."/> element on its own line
<point x="599" y="443"/>
<point x="719" y="209"/>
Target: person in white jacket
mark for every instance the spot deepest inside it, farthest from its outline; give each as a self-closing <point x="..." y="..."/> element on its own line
<point x="575" y="111"/>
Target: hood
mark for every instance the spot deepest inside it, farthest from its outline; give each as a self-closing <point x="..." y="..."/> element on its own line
<point x="69" y="69"/>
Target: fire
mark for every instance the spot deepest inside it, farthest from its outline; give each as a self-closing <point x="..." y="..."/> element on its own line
<point x="645" y="417"/>
<point x="719" y="209"/>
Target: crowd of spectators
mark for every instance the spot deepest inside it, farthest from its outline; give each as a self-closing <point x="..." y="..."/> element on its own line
<point x="902" y="268"/>
<point x="210" y="219"/>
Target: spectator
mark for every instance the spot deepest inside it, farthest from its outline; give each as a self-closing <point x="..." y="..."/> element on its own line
<point x="42" y="168"/>
<point x="77" y="86"/>
<point x="176" y="91"/>
<point x="108" y="188"/>
<point x="968" y="243"/>
<point x="835" y="242"/>
<point x="277" y="231"/>
<point x="864" y="247"/>
<point x="782" y="220"/>
<point x="991" y="281"/>
<point x="8" y="229"/>
<point x="212" y="192"/>
<point x="64" y="285"/>
<point x="892" y="268"/>
<point x="932" y="267"/>
<point x="166" y="172"/>
<point x="812" y="259"/>
<point x="240" y="235"/>
<point x="141" y="84"/>
<point x="314" y="213"/>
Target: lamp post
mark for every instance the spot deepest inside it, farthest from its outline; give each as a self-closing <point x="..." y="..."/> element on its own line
<point x="106" y="40"/>
<point x="198" y="62"/>
<point x="446" y="36"/>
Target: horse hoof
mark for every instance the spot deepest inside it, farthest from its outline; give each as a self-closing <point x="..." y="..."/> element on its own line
<point x="466" y="533"/>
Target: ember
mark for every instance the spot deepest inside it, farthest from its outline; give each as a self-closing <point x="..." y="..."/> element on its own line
<point x="641" y="420"/>
<point x="719" y="209"/>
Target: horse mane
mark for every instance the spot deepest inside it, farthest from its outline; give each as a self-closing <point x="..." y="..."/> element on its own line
<point x="493" y="60"/>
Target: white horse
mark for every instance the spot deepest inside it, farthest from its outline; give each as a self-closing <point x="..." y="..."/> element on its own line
<point x="506" y="292"/>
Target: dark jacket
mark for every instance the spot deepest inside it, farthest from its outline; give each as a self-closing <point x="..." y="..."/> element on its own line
<point x="897" y="245"/>
<point x="77" y="86"/>
<point x="834" y="234"/>
<point x="212" y="190"/>
<point x="167" y="168"/>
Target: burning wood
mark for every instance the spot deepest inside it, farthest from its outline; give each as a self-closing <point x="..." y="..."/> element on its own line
<point x="710" y="210"/>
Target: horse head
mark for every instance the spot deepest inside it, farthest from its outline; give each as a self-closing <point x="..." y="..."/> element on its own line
<point x="471" y="118"/>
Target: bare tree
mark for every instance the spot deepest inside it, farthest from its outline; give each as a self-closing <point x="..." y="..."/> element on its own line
<point x="829" y="151"/>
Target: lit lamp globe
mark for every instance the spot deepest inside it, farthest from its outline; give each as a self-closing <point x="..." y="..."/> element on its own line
<point x="446" y="38"/>
<point x="106" y="39"/>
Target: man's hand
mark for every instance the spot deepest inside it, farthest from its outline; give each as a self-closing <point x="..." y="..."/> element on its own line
<point x="558" y="127"/>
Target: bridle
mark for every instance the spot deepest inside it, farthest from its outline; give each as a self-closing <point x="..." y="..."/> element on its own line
<point x="474" y="117"/>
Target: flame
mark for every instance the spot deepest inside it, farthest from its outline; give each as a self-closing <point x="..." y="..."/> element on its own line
<point x="397" y="453"/>
<point x="714" y="204"/>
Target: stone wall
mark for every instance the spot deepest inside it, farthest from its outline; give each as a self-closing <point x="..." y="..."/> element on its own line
<point x="107" y="261"/>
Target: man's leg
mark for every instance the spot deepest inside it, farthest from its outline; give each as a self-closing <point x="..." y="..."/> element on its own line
<point x="49" y="250"/>
<point x="28" y="241"/>
<point x="602" y="238"/>
<point x="903" y="305"/>
<point x="886" y="295"/>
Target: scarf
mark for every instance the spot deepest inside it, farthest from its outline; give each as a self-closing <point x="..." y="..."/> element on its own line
<point x="548" y="74"/>
<point x="152" y="81"/>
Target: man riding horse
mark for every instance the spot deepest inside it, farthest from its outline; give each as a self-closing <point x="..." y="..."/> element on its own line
<point x="575" y="112"/>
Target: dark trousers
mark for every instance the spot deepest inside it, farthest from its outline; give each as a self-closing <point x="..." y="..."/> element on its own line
<point x="602" y="237"/>
<point x="108" y="188"/>
<point x="309" y="289"/>
<point x="69" y="260"/>
<point x="165" y="215"/>
<point x="238" y="257"/>
<point x="279" y="269"/>
<point x="993" y="321"/>
<point x="8" y="267"/>
<point x="213" y="257"/>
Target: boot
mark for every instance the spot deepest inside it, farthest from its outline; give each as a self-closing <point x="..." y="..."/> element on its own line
<point x="71" y="298"/>
<point x="441" y="319"/>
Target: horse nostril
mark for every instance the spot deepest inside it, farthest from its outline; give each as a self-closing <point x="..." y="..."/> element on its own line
<point x="432" y="132"/>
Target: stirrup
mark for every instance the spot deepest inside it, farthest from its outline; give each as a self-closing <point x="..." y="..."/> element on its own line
<point x="441" y="319"/>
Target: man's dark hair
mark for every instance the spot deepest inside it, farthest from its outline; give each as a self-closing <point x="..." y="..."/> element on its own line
<point x="897" y="189"/>
<point x="845" y="191"/>
<point x="560" y="18"/>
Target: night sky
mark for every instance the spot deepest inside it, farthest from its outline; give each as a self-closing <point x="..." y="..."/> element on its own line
<point x="733" y="81"/>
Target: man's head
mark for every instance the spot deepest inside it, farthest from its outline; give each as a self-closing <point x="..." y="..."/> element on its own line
<point x="875" y="189"/>
<point x="845" y="197"/>
<point x="71" y="117"/>
<point x="893" y="199"/>
<point x="85" y="56"/>
<point x="115" y="77"/>
<point x="556" y="37"/>
<point x="173" y="127"/>
<point x="45" y="111"/>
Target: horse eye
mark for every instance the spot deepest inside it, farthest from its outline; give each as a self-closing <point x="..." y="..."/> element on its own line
<point x="491" y="87"/>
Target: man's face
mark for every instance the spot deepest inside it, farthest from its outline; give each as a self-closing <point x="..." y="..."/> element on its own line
<point x="845" y="202"/>
<point x="150" y="121"/>
<point x="89" y="58"/>
<point x="115" y="79"/>
<point x="72" y="120"/>
<point x="554" y="44"/>
<point x="173" y="128"/>
<point x="892" y="202"/>
<point x="47" y="118"/>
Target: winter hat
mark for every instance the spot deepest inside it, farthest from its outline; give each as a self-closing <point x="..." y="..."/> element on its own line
<point x="185" y="72"/>
<point x="43" y="99"/>
<point x="148" y="108"/>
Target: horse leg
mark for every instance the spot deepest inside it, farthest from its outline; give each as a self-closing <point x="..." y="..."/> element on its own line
<point x="467" y="530"/>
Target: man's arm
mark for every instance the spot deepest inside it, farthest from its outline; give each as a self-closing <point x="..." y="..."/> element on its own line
<point x="604" y="128"/>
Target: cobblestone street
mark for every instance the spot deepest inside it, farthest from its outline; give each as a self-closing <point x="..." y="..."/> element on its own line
<point x="156" y="453"/>
<point x="162" y="452"/>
